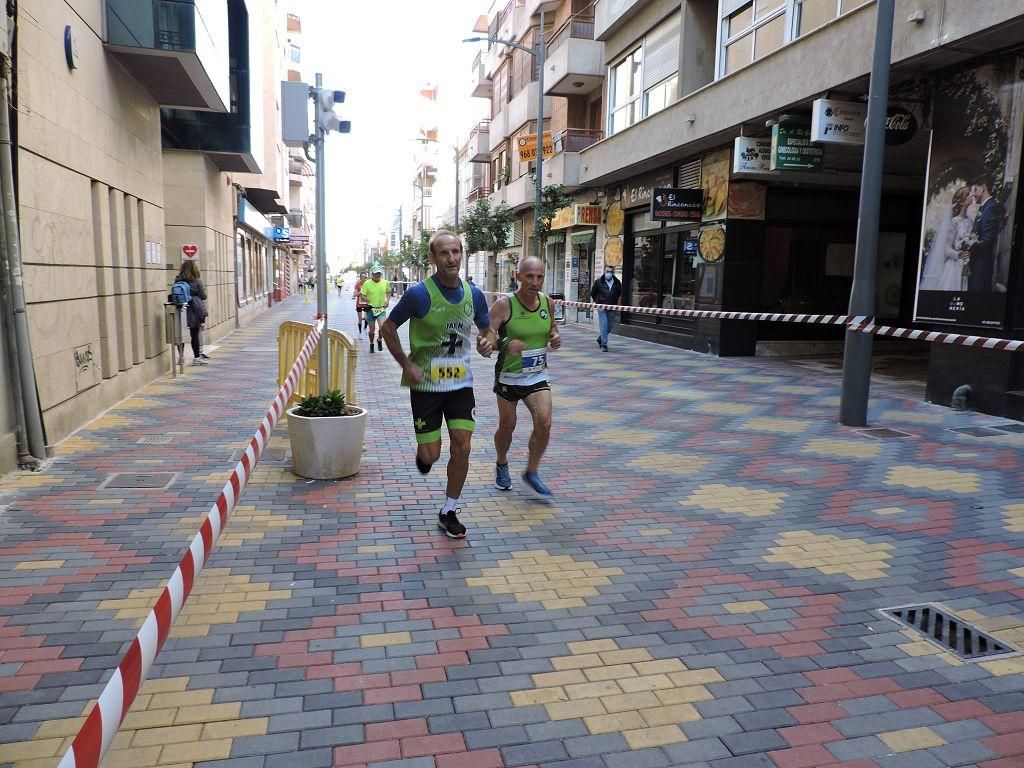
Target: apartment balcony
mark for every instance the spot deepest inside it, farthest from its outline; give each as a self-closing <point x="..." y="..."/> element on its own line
<point x="480" y="142"/>
<point x="176" y="51"/>
<point x="482" y="85"/>
<point x="517" y="194"/>
<point x="298" y="221"/>
<point x="533" y="7"/>
<point x="523" y="108"/>
<point x="610" y="15"/>
<point x="478" y="193"/>
<point x="564" y="166"/>
<point x="575" y="60"/>
<point x="498" y="129"/>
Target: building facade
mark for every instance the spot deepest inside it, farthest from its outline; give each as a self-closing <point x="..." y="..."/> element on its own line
<point x="135" y="121"/>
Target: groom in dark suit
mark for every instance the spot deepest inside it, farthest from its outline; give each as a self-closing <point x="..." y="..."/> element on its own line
<point x="982" y="253"/>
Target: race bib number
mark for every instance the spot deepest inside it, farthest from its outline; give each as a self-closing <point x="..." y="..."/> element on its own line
<point x="443" y="371"/>
<point x="534" y="360"/>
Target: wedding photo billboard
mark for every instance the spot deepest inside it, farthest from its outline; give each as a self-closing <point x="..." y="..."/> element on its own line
<point x="970" y="195"/>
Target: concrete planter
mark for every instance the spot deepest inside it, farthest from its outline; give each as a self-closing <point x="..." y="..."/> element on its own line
<point x="326" y="447"/>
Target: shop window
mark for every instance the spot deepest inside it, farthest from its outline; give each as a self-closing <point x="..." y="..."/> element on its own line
<point x="644" y="81"/>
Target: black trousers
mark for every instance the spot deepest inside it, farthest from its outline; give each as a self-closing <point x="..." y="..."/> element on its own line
<point x="194" y="333"/>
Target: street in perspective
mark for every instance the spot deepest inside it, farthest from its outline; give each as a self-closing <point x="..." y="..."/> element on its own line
<point x="512" y="384"/>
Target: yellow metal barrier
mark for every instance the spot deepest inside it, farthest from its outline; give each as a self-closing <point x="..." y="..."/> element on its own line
<point x="343" y="357"/>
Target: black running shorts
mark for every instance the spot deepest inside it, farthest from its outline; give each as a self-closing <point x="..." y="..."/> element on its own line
<point x="457" y="408"/>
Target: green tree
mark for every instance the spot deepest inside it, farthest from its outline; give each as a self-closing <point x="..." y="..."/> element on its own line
<point x="487" y="229"/>
<point x="553" y="199"/>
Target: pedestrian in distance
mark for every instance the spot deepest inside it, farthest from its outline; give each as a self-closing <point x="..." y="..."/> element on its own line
<point x="196" y="312"/>
<point x="606" y="290"/>
<point x="376" y="292"/>
<point x="361" y="306"/>
<point x="440" y="311"/>
<point x="339" y="283"/>
<point x="524" y="321"/>
<point x="470" y="281"/>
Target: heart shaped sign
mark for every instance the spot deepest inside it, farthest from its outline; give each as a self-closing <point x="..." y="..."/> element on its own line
<point x="189" y="251"/>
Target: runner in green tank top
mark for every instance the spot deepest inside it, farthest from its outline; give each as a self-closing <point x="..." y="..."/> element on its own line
<point x="526" y="327"/>
<point x="441" y="311"/>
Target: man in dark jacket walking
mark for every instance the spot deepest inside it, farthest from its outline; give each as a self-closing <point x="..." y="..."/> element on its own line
<point x="606" y="290"/>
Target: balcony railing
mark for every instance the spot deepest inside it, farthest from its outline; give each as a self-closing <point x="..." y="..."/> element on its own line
<point x="478" y="194"/>
<point x="484" y="126"/>
<point x="576" y="139"/>
<point x="581" y="29"/>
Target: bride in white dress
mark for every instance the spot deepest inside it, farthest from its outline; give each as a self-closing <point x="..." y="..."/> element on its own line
<point x="944" y="270"/>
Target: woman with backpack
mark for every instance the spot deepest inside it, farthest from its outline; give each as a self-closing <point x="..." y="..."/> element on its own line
<point x="196" y="312"/>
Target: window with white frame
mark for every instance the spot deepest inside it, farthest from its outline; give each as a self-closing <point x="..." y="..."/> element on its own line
<point x="644" y="81"/>
<point x="750" y="31"/>
<point x="811" y="14"/>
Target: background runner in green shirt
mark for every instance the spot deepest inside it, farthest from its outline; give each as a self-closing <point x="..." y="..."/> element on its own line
<point x="526" y="327"/>
<point x="376" y="292"/>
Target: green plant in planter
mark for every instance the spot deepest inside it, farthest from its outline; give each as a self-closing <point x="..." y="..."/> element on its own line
<point x="328" y="404"/>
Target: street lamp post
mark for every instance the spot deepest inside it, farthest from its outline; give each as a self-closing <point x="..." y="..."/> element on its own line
<point x="539" y="179"/>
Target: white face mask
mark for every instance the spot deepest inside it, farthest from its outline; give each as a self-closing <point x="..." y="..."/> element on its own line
<point x="609" y="275"/>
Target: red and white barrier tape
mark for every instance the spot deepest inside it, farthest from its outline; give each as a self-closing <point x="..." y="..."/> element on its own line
<point x="939" y="337"/>
<point x="103" y="722"/>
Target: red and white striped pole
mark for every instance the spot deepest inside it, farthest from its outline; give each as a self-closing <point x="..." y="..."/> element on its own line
<point x="103" y="722"/>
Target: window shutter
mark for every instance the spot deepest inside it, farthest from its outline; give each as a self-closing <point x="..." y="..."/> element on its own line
<point x="661" y="53"/>
<point x="689" y="175"/>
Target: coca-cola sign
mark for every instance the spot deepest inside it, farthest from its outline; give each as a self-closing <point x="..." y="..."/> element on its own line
<point x="900" y="126"/>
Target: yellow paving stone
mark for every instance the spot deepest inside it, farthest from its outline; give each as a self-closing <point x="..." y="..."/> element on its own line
<point x="1014" y="516"/>
<point x="623" y="436"/>
<point x="209" y="713"/>
<point x="738" y="409"/>
<point x="625" y="702"/>
<point x="753" y="378"/>
<point x="659" y="666"/>
<point x="59" y="729"/>
<point x="934" y="479"/>
<point x="683" y="694"/>
<point x="645" y="683"/>
<point x="752" y="502"/>
<point x="38" y="565"/>
<point x="777" y="425"/>
<point x="385" y="639"/>
<point x="10" y="753"/>
<point x="656" y="532"/>
<point x="1003" y="667"/>
<point x="610" y="672"/>
<point x="643" y="738"/>
<point x="148" y="718"/>
<point x="620" y="721"/>
<point x="910" y="739"/>
<point x="676" y="463"/>
<point x="593" y="690"/>
<point x="553" y="679"/>
<point x="627" y="656"/>
<point x="592" y="417"/>
<point x="132" y="758"/>
<point x="551" y="574"/>
<point x="912" y="417"/>
<point x="797" y="389"/>
<point x="858" y="559"/>
<point x="538" y="696"/>
<point x="569" y="710"/>
<point x="672" y="713"/>
<point x="746" y="606"/>
<point x="196" y="752"/>
<point x="696" y="677"/>
<point x="235" y="729"/>
<point x="176" y="734"/>
<point x="182" y="699"/>
<point x="583" y="661"/>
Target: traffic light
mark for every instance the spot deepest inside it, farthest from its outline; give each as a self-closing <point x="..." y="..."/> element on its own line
<point x="325" y="100"/>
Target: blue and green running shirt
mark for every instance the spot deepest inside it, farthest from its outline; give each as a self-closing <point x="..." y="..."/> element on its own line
<point x="440" y="320"/>
<point x="532" y="328"/>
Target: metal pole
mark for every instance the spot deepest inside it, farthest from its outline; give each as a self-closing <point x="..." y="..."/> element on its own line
<point x="458" y="194"/>
<point x="26" y="364"/>
<point x="540" y="140"/>
<point x="322" y="363"/>
<point x="853" y="401"/>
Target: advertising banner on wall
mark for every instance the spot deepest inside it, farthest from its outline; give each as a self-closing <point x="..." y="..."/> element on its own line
<point x="970" y="195"/>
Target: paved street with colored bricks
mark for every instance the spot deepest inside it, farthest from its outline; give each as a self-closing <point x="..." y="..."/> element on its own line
<point x="704" y="590"/>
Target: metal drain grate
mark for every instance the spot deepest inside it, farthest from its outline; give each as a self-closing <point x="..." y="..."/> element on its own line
<point x="1014" y="429"/>
<point x="155" y="440"/>
<point x="975" y="431"/>
<point x="139" y="480"/>
<point x="883" y="433"/>
<point x="953" y="634"/>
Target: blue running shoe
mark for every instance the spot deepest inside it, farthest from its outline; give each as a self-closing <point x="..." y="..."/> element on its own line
<point x="502" y="479"/>
<point x="535" y="486"/>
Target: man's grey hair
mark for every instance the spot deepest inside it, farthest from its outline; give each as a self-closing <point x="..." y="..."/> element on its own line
<point x="439" y="234"/>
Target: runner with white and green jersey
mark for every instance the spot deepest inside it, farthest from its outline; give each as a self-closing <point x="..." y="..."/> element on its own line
<point x="441" y="311"/>
<point x="526" y="329"/>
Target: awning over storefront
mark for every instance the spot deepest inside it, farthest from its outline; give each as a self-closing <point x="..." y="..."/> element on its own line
<point x="555" y="238"/>
<point x="583" y="238"/>
<point x="264" y="200"/>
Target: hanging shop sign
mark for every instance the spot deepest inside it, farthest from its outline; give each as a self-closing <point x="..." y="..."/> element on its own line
<point x="613" y="252"/>
<point x="639" y="191"/>
<point x="527" y="146"/>
<point x="189" y="252"/>
<point x="900" y="126"/>
<point x="281" y="234"/>
<point x="747" y="200"/>
<point x="675" y="204"/>
<point x="614" y="220"/>
<point x="838" y="122"/>
<point x="576" y="215"/>
<point x="792" y="149"/>
<point x="971" y="194"/>
<point x="712" y="242"/>
<point x="751" y="155"/>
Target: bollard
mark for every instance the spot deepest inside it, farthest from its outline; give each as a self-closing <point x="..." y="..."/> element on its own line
<point x="175" y="331"/>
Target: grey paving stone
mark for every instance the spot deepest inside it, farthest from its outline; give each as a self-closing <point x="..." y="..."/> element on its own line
<point x="755" y="741"/>
<point x="538" y="752"/>
<point x="601" y="744"/>
<point x="265" y="745"/>
<point x="307" y="758"/>
<point x="690" y="752"/>
<point x="414" y="762"/>
<point x="496" y="737"/>
<point x="338" y="735"/>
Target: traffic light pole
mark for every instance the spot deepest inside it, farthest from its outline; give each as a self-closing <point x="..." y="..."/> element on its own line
<point x="323" y="363"/>
<point x="539" y="184"/>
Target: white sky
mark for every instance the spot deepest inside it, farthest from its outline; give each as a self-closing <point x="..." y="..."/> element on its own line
<point x="380" y="52"/>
